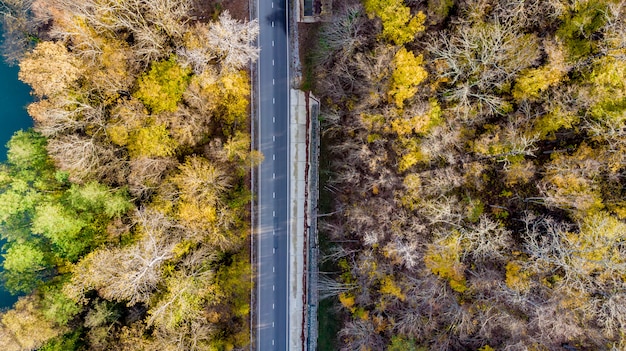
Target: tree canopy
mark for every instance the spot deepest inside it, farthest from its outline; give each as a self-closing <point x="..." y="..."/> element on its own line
<point x="124" y="209"/>
<point x="473" y="157"/>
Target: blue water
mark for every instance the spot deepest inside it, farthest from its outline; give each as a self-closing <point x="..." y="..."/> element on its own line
<point x="14" y="96"/>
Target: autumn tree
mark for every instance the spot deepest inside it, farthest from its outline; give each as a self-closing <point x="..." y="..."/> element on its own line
<point x="399" y="25"/>
<point x="25" y="328"/>
<point x="408" y="73"/>
<point x="49" y="69"/>
<point x="138" y="105"/>
<point x="163" y="86"/>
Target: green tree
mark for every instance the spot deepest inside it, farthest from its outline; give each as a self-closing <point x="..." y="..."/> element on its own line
<point x="67" y="342"/>
<point x="27" y="150"/>
<point x="63" y="228"/>
<point x="25" y="267"/>
<point x="579" y="25"/>
<point x="55" y="305"/>
<point x="98" y="199"/>
<point x="399" y="343"/>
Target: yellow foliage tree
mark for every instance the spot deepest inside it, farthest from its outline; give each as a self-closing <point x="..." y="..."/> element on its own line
<point x="202" y="186"/>
<point x="418" y="124"/>
<point x="534" y="81"/>
<point x="516" y="278"/>
<point x="410" y="153"/>
<point x="389" y="287"/>
<point x="163" y="86"/>
<point x="233" y="97"/>
<point x="571" y="182"/>
<point x="399" y="26"/>
<point x="411" y="195"/>
<point x="408" y="73"/>
<point x="444" y="259"/>
<point x="596" y="248"/>
<point x="151" y="140"/>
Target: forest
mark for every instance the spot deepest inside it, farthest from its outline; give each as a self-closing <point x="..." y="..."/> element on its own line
<point x="125" y="210"/>
<point x="474" y="158"/>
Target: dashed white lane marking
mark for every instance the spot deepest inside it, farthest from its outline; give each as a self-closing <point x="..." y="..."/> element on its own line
<point x="273" y="175"/>
<point x="273" y="82"/>
<point x="273" y="195"/>
<point x="273" y="100"/>
<point x="272" y="4"/>
<point x="274" y="271"/>
<point x="274" y="213"/>
<point x="273" y="250"/>
<point x="272" y="342"/>
<point x="272" y="62"/>
<point x="274" y="157"/>
<point x="273" y="137"/>
<point x="273" y="287"/>
<point x="272" y="24"/>
<point x="272" y="324"/>
<point x="272" y="43"/>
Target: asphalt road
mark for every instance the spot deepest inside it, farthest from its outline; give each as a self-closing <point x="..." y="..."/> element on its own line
<point x="273" y="178"/>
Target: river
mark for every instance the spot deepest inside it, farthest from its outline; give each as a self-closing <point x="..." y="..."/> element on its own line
<point x="14" y="96"/>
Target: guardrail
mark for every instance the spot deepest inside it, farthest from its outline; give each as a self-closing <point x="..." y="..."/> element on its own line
<point x="313" y="247"/>
<point x="254" y="91"/>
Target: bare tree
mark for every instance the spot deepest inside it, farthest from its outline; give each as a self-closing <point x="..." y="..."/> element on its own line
<point x="146" y="174"/>
<point x="233" y="40"/>
<point x="329" y="287"/>
<point x="86" y="159"/>
<point x="479" y="59"/>
<point x="131" y="273"/>
<point x="195" y="53"/>
<point x="359" y="335"/>
<point x="342" y="36"/>
<point x="486" y="241"/>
